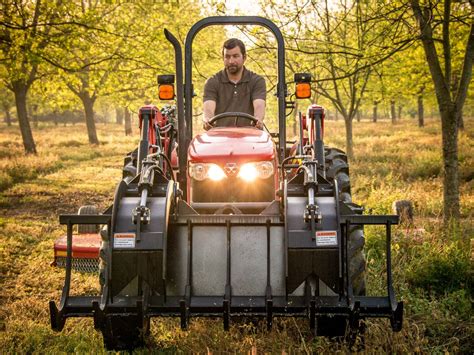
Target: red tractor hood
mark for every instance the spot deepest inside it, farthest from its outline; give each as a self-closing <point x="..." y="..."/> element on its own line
<point x="223" y="144"/>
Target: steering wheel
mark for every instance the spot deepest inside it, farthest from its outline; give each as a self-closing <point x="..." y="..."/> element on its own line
<point x="237" y="115"/>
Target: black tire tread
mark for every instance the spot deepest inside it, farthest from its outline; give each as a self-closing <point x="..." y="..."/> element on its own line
<point x="87" y="228"/>
<point x="129" y="170"/>
<point x="124" y="333"/>
<point x="357" y="263"/>
<point x="336" y="167"/>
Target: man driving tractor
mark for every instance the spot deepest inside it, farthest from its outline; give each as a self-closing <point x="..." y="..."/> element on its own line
<point x="234" y="89"/>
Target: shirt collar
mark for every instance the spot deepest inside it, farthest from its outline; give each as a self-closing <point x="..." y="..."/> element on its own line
<point x="245" y="76"/>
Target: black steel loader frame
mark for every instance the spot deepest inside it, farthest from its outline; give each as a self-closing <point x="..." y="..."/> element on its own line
<point x="352" y="308"/>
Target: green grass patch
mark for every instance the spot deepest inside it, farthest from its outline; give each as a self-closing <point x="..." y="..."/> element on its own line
<point x="432" y="269"/>
<point x="441" y="268"/>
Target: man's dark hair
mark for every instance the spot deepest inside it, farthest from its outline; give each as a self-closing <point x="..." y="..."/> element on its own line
<point x="232" y="43"/>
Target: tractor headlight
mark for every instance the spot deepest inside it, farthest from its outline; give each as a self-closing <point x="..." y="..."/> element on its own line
<point x="215" y="173"/>
<point x="202" y="172"/>
<point x="250" y="171"/>
<point x="198" y="171"/>
<point x="265" y="169"/>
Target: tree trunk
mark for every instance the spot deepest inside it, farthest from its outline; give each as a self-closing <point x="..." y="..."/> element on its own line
<point x="32" y="110"/>
<point x="374" y="117"/>
<point x="449" y="126"/>
<point x="358" y="115"/>
<point x="421" y="112"/>
<point x="119" y="115"/>
<point x="400" y="108"/>
<point x="88" y="103"/>
<point x="349" y="145"/>
<point x="20" y="90"/>
<point x="449" y="109"/>
<point x="128" y="122"/>
<point x="392" y="111"/>
<point x="460" y="120"/>
<point x="337" y="115"/>
<point x="8" y="118"/>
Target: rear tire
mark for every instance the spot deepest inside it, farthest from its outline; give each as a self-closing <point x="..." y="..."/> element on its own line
<point x="340" y="326"/>
<point x="103" y="251"/>
<point x="337" y="168"/>
<point x="357" y="260"/>
<point x="129" y="170"/>
<point x="87" y="228"/>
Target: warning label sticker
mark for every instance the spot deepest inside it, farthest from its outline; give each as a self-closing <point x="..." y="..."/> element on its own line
<point x="326" y="238"/>
<point x="124" y="240"/>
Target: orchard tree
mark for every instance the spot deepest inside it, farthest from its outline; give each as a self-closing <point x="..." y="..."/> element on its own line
<point x="26" y="33"/>
<point x="342" y="44"/>
<point x="90" y="54"/>
<point x="7" y="101"/>
<point x="116" y="56"/>
<point x="50" y="95"/>
<point x="439" y="24"/>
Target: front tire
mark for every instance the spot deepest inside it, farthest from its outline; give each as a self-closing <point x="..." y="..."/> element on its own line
<point x="124" y="332"/>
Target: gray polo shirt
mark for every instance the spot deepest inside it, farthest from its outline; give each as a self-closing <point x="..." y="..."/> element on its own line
<point x="234" y="97"/>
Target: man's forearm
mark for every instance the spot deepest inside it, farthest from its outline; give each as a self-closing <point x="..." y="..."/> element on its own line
<point x="259" y="109"/>
<point x="209" y="109"/>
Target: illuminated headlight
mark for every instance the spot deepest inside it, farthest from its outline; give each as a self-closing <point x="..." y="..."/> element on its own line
<point x="201" y="172"/>
<point x="215" y="173"/>
<point x="250" y="171"/>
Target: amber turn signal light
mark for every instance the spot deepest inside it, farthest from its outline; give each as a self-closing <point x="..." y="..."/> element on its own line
<point x="303" y="90"/>
<point x="166" y="92"/>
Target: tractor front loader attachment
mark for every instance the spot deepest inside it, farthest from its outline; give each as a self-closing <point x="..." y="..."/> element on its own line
<point x="266" y="265"/>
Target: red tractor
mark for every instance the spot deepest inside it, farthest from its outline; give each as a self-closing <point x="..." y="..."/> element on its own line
<point x="235" y="221"/>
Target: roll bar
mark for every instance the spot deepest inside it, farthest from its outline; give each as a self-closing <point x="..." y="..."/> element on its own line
<point x="185" y="121"/>
<point x="182" y="158"/>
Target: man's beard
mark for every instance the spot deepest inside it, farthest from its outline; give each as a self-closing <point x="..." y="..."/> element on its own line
<point x="233" y="69"/>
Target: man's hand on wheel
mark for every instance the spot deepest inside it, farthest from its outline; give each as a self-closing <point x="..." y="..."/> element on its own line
<point x="259" y="124"/>
<point x="206" y="125"/>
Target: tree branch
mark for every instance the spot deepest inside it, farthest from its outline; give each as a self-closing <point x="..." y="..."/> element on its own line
<point x="466" y="71"/>
<point x="446" y="42"/>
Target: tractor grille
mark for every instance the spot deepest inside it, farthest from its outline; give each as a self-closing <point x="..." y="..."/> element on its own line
<point x="82" y="265"/>
<point x="233" y="189"/>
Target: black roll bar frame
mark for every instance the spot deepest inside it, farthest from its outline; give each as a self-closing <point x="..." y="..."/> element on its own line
<point x="185" y="105"/>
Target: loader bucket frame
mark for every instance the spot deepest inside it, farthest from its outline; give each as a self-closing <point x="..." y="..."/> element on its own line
<point x="309" y="306"/>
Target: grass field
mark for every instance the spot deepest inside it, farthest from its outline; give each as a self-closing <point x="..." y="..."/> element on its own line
<point x="433" y="268"/>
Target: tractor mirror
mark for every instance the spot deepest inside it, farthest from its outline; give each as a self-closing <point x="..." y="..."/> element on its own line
<point x="166" y="79"/>
<point x="303" y="85"/>
<point x="302" y="78"/>
<point x="166" y="87"/>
